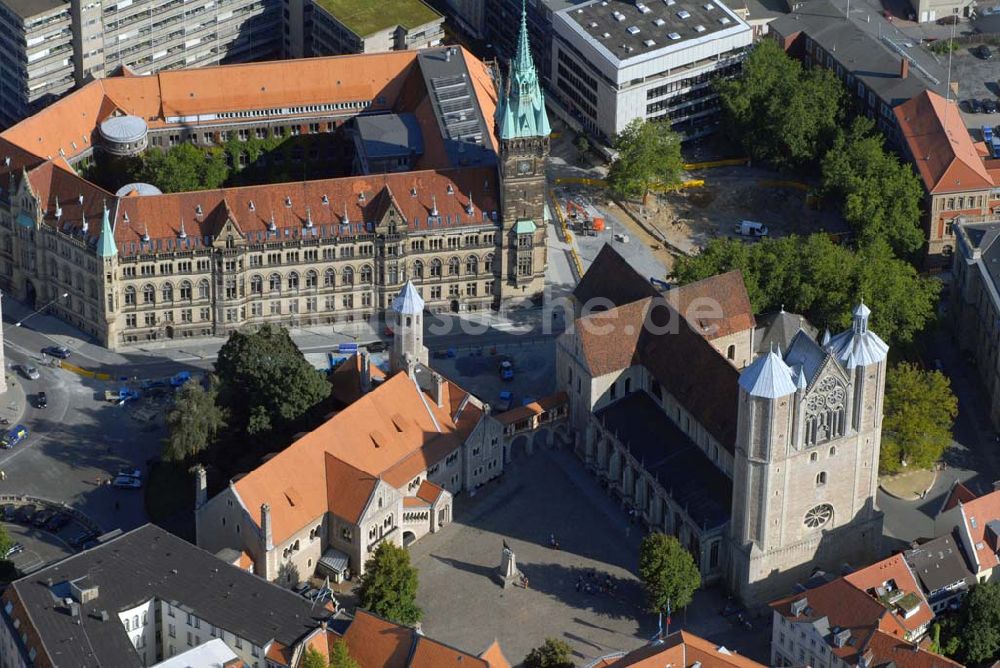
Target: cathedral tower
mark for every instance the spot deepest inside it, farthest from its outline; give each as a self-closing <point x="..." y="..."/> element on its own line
<point x="806" y="465"/>
<point x="523" y="131"/>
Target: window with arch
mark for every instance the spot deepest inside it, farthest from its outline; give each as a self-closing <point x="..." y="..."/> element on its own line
<point x="186" y="290"/>
<point x="472" y="265"/>
<point x="366" y="274"/>
<point x="821" y="478"/>
<point x="129" y="296"/>
<point x="813" y="456"/>
<point x="347" y="277"/>
<point x="167" y="292"/>
<point x="731" y="353"/>
<point x="488" y="263"/>
<point x="435" y="268"/>
<point x="833" y="450"/>
<point x="329" y="278"/>
<point x="418" y="269"/>
<point x="818" y="516"/>
<point x="148" y="294"/>
<point x="293" y="281"/>
<point x="825" y="412"/>
<point x="256" y="285"/>
<point x="274" y="283"/>
<point x="203" y="289"/>
<point x="453" y="266"/>
<point x="312" y="279"/>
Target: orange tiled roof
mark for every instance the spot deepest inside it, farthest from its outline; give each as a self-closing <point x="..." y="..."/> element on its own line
<point x="59" y="191"/>
<point x="534" y="408"/>
<point x="246" y="561"/>
<point x="716" y="306"/>
<point x="959" y="494"/>
<point x="290" y="205"/>
<point x="346" y="379"/>
<point x="348" y="490"/>
<point x="976" y="516"/>
<point x="279" y="654"/>
<point x="393" y="432"/>
<point x="894" y="569"/>
<point x="428" y="491"/>
<point x="682" y="649"/>
<point x="943" y="151"/>
<point x="494" y="657"/>
<point x="891" y="650"/>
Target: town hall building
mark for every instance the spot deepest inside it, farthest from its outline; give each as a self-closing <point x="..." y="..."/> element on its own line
<point x="753" y="442"/>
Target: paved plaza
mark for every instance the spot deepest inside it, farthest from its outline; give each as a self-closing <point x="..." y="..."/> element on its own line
<point x="539" y="495"/>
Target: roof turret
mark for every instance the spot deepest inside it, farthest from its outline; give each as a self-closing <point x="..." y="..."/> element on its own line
<point x="768" y="377"/>
<point x="521" y="112"/>
<point x="858" y="346"/>
<point x="409" y="301"/>
<point x="106" y="246"/>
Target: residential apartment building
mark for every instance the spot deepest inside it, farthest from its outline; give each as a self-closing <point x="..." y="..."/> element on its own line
<point x="357" y="26"/>
<point x="613" y="62"/>
<point x="940" y="566"/>
<point x="385" y="468"/>
<point x="36" y="56"/>
<point x="975" y="300"/>
<point x="467" y="224"/>
<point x="975" y="522"/>
<point x="679" y="649"/>
<point x="47" y="47"/>
<point x="879" y="73"/>
<point x="469" y="16"/>
<point x="144" y="597"/>
<point x="788" y="444"/>
<point x="961" y="182"/>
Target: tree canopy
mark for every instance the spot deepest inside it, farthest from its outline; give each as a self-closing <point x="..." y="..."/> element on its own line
<point x="389" y="585"/>
<point x="553" y="653"/>
<point x="185" y="167"/>
<point x="193" y="422"/>
<point x="823" y="281"/>
<point x="920" y="410"/>
<point x="974" y="633"/>
<point x="266" y="381"/>
<point x="649" y="154"/>
<point x="313" y="658"/>
<point x="878" y="195"/>
<point x="340" y="656"/>
<point x="668" y="572"/>
<point x="776" y="92"/>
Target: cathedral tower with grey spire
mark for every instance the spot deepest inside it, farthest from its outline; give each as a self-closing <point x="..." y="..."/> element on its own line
<point x="522" y="128"/>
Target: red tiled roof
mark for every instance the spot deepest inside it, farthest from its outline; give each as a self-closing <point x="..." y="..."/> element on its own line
<point x="346" y="379"/>
<point x="716" y="306"/>
<point x="348" y="490"/>
<point x="959" y="494"/>
<point x="940" y="145"/>
<point x="894" y="569"/>
<point x="377" y="643"/>
<point x="429" y="492"/>
<point x="494" y="657"/>
<point x="682" y="650"/>
<point x="57" y="186"/>
<point x="891" y="650"/>
<point x="976" y="515"/>
<point x="534" y="408"/>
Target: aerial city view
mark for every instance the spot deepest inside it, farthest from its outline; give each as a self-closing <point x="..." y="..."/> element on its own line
<point x="493" y="333"/>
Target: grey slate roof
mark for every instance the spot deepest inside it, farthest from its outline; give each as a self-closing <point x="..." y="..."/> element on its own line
<point x="861" y="52"/>
<point x="152" y="563"/>
<point x="779" y="329"/>
<point x="939" y="563"/>
<point x="387" y="135"/>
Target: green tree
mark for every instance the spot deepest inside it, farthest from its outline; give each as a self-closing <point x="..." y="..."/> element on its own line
<point x="553" y="653"/>
<point x="879" y="196"/>
<point x="340" y="657"/>
<point x="266" y="381"/>
<point x="193" y="422"/>
<point x="823" y="281"/>
<point x="185" y="167"/>
<point x="389" y="585"/>
<point x="920" y="410"/>
<point x="776" y="92"/>
<point x="649" y="154"/>
<point x="667" y="571"/>
<point x="313" y="658"/>
<point x="978" y="626"/>
<point x="5" y="540"/>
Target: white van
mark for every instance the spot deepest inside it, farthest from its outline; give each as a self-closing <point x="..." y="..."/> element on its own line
<point x="750" y="228"/>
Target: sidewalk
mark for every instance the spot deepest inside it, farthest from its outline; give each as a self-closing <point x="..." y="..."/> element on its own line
<point x="910" y="485"/>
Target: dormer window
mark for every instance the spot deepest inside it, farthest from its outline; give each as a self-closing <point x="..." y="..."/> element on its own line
<point x="252" y="207"/>
<point x="326" y="200"/>
<point x="197" y="210"/>
<point x="288" y="202"/>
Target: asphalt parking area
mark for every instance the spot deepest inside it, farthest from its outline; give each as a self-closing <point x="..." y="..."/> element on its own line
<point x="40" y="547"/>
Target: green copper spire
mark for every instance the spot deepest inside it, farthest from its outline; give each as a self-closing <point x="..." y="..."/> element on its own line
<point x="521" y="112"/>
<point x="106" y="242"/>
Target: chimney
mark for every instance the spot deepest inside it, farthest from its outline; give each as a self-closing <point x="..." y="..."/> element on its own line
<point x="366" y="371"/>
<point x="487" y="409"/>
<point x="904" y="68"/>
<point x="265" y="526"/>
<point x="438" y="389"/>
<point x="200" y="487"/>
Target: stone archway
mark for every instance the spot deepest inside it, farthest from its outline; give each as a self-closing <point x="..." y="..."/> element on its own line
<point x="518" y="446"/>
<point x="408" y="538"/>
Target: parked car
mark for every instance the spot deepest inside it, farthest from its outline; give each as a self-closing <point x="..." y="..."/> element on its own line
<point x="14" y="436"/>
<point x="41" y="400"/>
<point x="300" y="588"/>
<point x="983" y="52"/>
<point x="62" y="352"/>
<point x="29" y="372"/>
<point x="975" y="106"/>
<point x="376" y="347"/>
<point x="16" y="548"/>
<point x="505" y="402"/>
<point x="127" y="482"/>
<point x="506" y="370"/>
<point x="82" y="538"/>
<point x="25" y="513"/>
<point x="750" y="228"/>
<point x="42" y="517"/>
<point x="989" y="106"/>
<point x="131" y="473"/>
<point x="57" y="522"/>
<point x="8" y="510"/>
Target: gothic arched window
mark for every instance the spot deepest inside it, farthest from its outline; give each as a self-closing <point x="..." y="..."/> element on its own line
<point x="825" y="412"/>
<point x="818" y="516"/>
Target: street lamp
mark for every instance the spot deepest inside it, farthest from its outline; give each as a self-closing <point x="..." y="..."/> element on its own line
<point x="37" y="311"/>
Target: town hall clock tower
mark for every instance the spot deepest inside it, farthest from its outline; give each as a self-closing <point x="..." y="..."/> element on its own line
<point x="523" y="131"/>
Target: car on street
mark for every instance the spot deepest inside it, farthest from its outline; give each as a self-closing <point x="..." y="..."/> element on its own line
<point x="127" y="482"/>
<point x="41" y="400"/>
<point x="62" y="352"/>
<point x="989" y="106"/>
<point x="983" y="52"/>
<point x="16" y="548"/>
<point x="29" y="372"/>
<point x="25" y="513"/>
<point x="975" y="106"/>
<point x="506" y="370"/>
<point x="376" y="347"/>
<point x="14" y="436"/>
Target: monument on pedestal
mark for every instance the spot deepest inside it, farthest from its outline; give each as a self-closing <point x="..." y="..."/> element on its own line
<point x="509" y="575"/>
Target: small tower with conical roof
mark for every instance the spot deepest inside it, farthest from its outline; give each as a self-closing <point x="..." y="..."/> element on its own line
<point x="522" y="128"/>
<point x="408" y="320"/>
<point x="107" y="254"/>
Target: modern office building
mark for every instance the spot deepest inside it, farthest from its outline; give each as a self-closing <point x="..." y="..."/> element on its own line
<point x="36" y="56"/>
<point x="49" y="46"/>
<point x="613" y="61"/>
<point x="359" y="26"/>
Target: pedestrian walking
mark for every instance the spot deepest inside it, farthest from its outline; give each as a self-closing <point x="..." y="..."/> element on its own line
<point x="3" y="475"/>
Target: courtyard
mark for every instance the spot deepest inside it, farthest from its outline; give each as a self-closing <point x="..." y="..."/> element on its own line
<point x="550" y="493"/>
